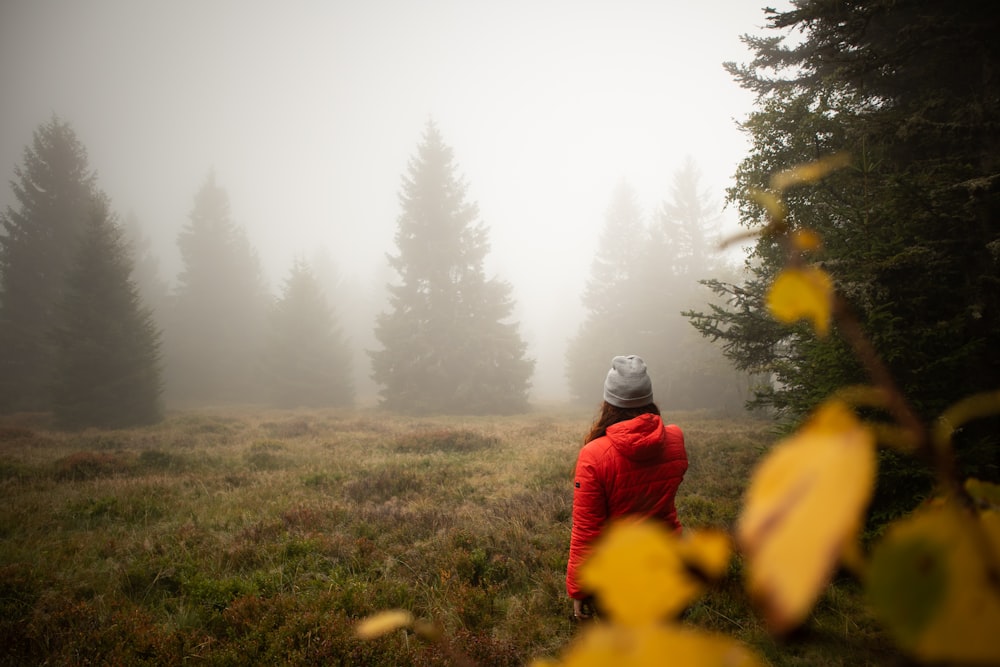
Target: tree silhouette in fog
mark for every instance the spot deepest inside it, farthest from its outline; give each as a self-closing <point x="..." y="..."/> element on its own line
<point x="153" y="289"/>
<point x="107" y="346"/>
<point x="613" y="318"/>
<point x="217" y="323"/>
<point x="355" y="302"/>
<point x="642" y="278"/>
<point x="447" y="344"/>
<point x="54" y="189"/>
<point x="307" y="361"/>
<point x="683" y="251"/>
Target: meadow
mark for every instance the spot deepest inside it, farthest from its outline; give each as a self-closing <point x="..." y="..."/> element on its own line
<point x="238" y="536"/>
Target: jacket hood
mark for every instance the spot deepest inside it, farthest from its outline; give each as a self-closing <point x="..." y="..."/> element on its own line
<point x="639" y="438"/>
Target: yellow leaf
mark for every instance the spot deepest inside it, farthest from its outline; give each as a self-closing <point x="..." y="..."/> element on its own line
<point x="637" y="573"/>
<point x="802" y="294"/>
<point x="806" y="239"/>
<point x="771" y="203"/>
<point x="383" y="623"/>
<point x="707" y="551"/>
<point x="930" y="582"/>
<point x="809" y="172"/>
<point x="976" y="406"/>
<point x="650" y="645"/>
<point x="803" y="506"/>
<point x="984" y="493"/>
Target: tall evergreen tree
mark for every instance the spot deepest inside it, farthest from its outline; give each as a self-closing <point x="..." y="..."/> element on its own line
<point x="642" y="278"/>
<point x="690" y="372"/>
<point x="218" y="319"/>
<point x="356" y="302"/>
<point x="688" y="224"/>
<point x="613" y="322"/>
<point x="911" y="89"/>
<point x="789" y="129"/>
<point x="107" y="346"/>
<point x="54" y="188"/>
<point x="307" y="361"/>
<point x="447" y="343"/>
<point x="153" y="289"/>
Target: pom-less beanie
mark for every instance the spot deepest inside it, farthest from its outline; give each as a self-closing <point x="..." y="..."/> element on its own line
<point x="627" y="384"/>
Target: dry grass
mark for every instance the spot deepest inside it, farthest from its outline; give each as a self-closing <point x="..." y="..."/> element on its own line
<point x="259" y="536"/>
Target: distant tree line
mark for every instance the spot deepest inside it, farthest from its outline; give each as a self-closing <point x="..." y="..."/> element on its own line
<point x="90" y="332"/>
<point x="79" y="336"/>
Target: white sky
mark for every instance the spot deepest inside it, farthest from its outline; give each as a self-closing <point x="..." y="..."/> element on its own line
<point x="310" y="110"/>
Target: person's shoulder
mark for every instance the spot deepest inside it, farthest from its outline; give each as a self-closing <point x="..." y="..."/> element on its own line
<point x="596" y="448"/>
<point x="674" y="432"/>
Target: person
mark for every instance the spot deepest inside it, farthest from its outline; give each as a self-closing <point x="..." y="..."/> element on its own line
<point x="630" y="465"/>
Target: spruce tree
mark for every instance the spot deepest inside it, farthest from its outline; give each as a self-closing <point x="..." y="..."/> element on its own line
<point x="307" y="361"/>
<point x="642" y="278"/>
<point x="356" y="302"/>
<point x="689" y="371"/>
<point x="613" y="322"/>
<point x="54" y="188"/>
<point x="107" y="346"/>
<point x="908" y="90"/>
<point x="447" y="343"/>
<point x="789" y="129"/>
<point x="218" y="319"/>
<point x="153" y="289"/>
<point x="910" y="230"/>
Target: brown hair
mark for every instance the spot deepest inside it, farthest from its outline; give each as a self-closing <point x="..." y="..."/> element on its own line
<point x="612" y="414"/>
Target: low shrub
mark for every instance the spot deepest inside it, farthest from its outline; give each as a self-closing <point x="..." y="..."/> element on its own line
<point x="444" y="440"/>
<point x="88" y="465"/>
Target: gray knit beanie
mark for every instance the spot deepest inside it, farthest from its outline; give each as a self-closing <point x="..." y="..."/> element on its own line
<point x="627" y="384"/>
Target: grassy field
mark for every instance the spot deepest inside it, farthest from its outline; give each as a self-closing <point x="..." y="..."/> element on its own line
<point x="238" y="537"/>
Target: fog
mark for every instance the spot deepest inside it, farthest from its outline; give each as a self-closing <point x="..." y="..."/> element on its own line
<point x="308" y="113"/>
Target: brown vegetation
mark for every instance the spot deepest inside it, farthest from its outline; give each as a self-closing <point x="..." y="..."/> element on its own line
<point x="241" y="537"/>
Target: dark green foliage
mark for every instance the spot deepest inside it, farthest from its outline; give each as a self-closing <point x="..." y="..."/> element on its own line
<point x="911" y="230"/>
<point x="38" y="242"/>
<point x="307" y="361"/>
<point x="447" y="346"/>
<point x="216" y="327"/>
<point x="107" y="347"/>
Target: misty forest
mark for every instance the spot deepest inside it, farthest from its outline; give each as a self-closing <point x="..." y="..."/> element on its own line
<point x="208" y="462"/>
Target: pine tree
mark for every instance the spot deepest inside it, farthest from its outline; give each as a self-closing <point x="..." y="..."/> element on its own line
<point x="689" y="371"/>
<point x="613" y="324"/>
<point x="216" y="326"/>
<point x="54" y="188"/>
<point x="447" y="344"/>
<point x="688" y="224"/>
<point x="790" y="129"/>
<point x="307" y="361"/>
<point x="910" y="231"/>
<point x="153" y="289"/>
<point x="642" y="278"/>
<point x="356" y="303"/>
<point x="107" y="346"/>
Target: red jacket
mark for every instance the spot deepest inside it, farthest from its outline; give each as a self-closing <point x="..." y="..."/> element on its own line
<point x="634" y="469"/>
